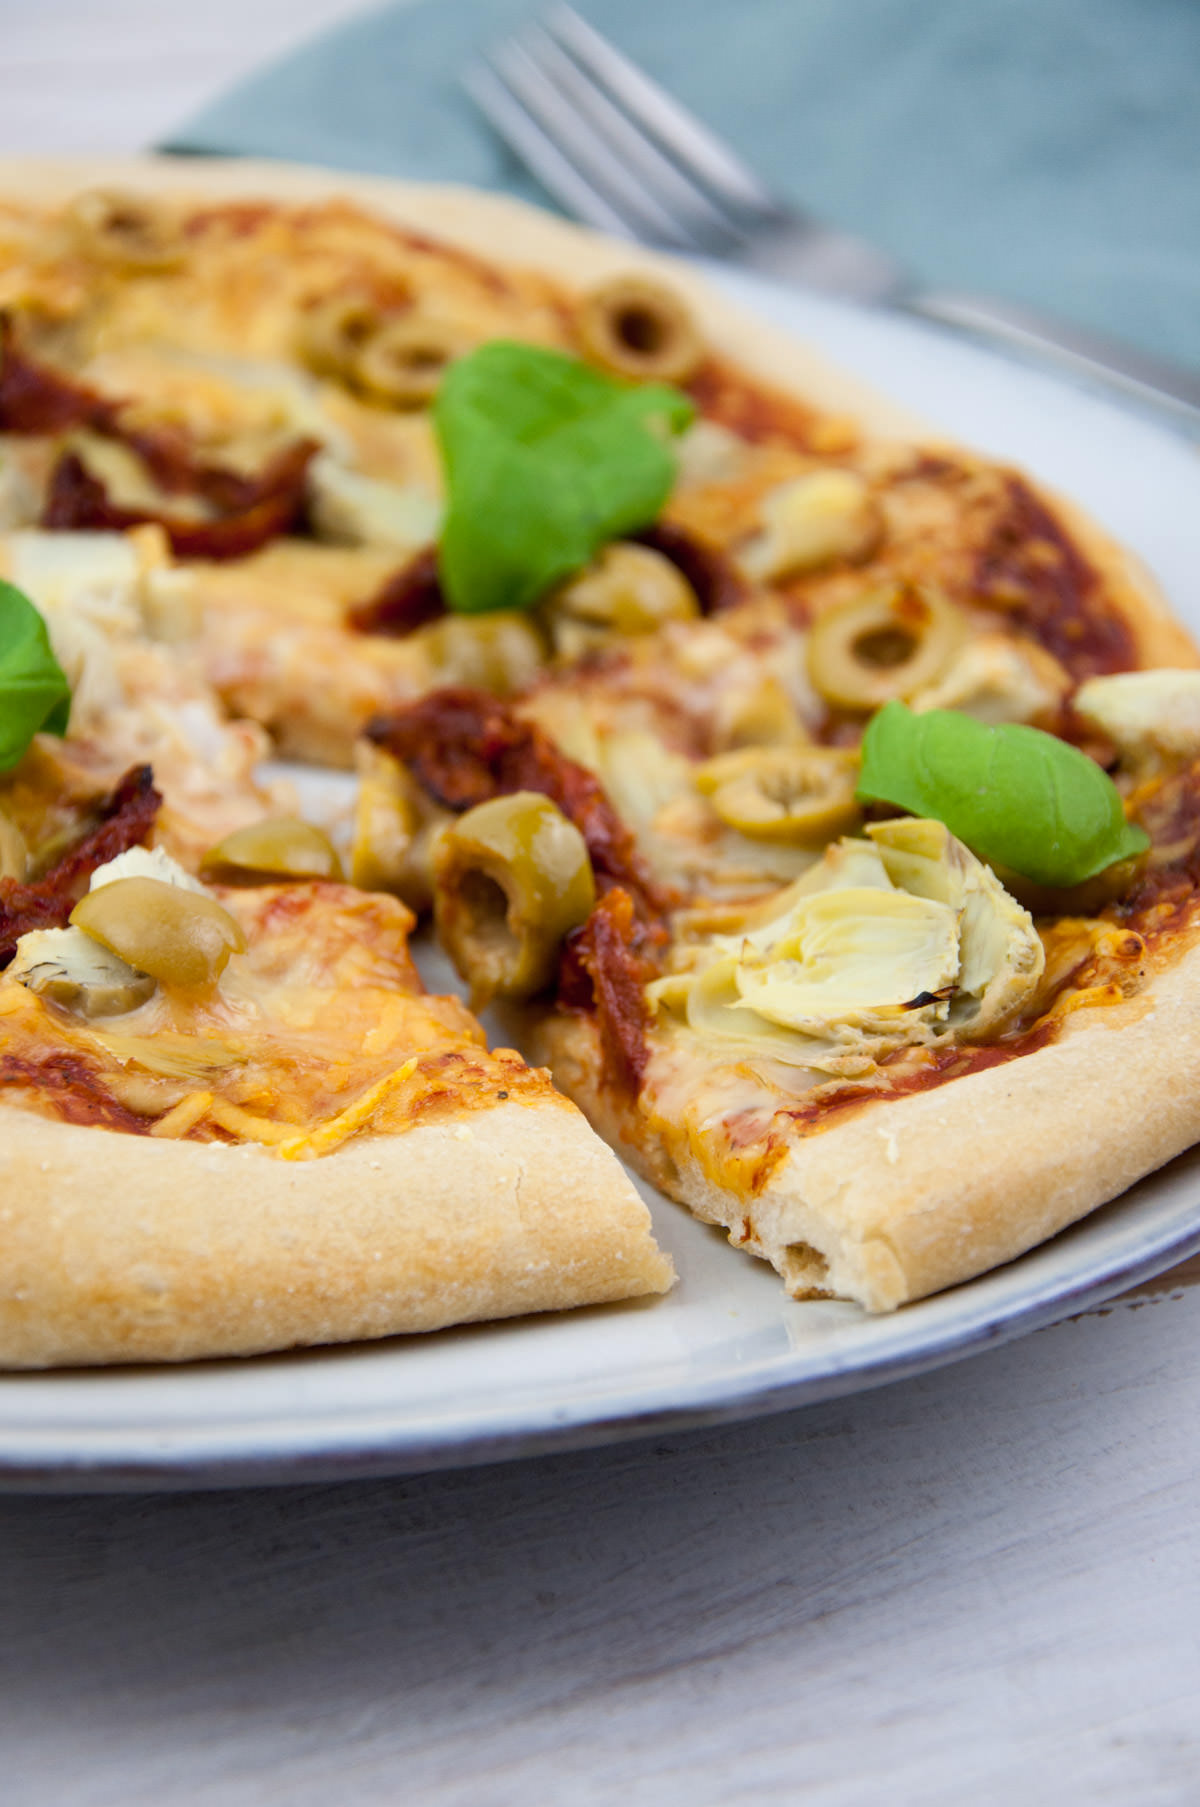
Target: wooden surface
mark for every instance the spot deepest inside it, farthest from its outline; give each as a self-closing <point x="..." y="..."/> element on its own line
<point x="979" y="1587"/>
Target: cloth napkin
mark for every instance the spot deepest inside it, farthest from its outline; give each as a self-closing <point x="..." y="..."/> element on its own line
<point x="1047" y="151"/>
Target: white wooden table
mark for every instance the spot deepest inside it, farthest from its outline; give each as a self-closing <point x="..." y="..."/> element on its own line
<point x="980" y="1587"/>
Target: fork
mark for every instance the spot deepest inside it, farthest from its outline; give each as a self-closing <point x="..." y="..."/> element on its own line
<point x="623" y="155"/>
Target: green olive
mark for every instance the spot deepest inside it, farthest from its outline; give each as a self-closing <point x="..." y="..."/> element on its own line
<point x="885" y="644"/>
<point x="405" y="360"/>
<point x="501" y="652"/>
<point x="179" y="937"/>
<point x="637" y="327"/>
<point x="511" y="878"/>
<point x="284" y="845"/>
<point x="333" y="333"/>
<point x="800" y="794"/>
<point x="14" y="854"/>
<point x="628" y="590"/>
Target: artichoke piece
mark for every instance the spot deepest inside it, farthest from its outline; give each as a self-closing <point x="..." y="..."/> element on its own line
<point x="813" y="521"/>
<point x="888" y="643"/>
<point x="179" y="936"/>
<point x="997" y="680"/>
<point x="802" y="794"/>
<point x="1148" y="715"/>
<point x="628" y="590"/>
<point x="501" y="651"/>
<point x="352" y="509"/>
<point x="511" y="878"/>
<point x="14" y="854"/>
<point x="897" y="939"/>
<point x="146" y="862"/>
<point x="283" y="846"/>
<point x="404" y="361"/>
<point x="394" y="828"/>
<point x="634" y="326"/>
<point x="73" y="970"/>
<point x="861" y="959"/>
<point x="130" y="231"/>
<point x="1000" y="952"/>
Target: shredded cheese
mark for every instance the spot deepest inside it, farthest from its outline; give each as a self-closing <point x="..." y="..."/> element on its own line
<point x="355" y="1117"/>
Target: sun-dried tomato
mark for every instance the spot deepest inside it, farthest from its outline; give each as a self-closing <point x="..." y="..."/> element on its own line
<point x="123" y="820"/>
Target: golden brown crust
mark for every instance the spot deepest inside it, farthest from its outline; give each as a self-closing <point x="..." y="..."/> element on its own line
<point x="118" y="1248"/>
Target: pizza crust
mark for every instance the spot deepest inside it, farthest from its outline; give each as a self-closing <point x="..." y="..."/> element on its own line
<point x="907" y="1197"/>
<point x="117" y="1248"/>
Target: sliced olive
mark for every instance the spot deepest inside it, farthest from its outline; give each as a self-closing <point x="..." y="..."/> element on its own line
<point x="887" y="643"/>
<point x="511" y="878"/>
<point x="333" y="333"/>
<point x="637" y="327"/>
<point x="801" y="794"/>
<point x="129" y="230"/>
<point x="501" y="652"/>
<point x="628" y="590"/>
<point x="14" y="854"/>
<point x="178" y="936"/>
<point x="285" y="846"/>
<point x="404" y="361"/>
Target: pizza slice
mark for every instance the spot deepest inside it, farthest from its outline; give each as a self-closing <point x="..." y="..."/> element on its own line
<point x="234" y="1120"/>
<point x="878" y="1056"/>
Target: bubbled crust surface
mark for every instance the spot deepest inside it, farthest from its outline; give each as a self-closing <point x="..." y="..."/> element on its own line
<point x="116" y="1248"/>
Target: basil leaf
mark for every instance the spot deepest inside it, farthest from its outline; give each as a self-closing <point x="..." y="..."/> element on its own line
<point x="545" y="461"/>
<point x="34" y="693"/>
<point x="1017" y="797"/>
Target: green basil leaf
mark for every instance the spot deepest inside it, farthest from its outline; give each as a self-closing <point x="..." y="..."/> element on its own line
<point x="34" y="693"/>
<point x="1015" y="796"/>
<point x="545" y="460"/>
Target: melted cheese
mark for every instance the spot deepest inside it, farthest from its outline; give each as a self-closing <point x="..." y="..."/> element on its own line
<point x="321" y="1031"/>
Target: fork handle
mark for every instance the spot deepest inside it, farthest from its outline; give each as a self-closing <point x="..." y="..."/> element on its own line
<point x="1087" y="354"/>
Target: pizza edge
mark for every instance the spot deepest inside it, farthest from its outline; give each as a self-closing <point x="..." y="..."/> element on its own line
<point x="121" y="1248"/>
<point x="908" y="1195"/>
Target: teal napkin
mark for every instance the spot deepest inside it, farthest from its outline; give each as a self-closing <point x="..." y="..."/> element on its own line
<point x="1047" y="151"/>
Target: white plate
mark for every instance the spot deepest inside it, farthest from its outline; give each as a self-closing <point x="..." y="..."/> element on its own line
<point x="727" y="1343"/>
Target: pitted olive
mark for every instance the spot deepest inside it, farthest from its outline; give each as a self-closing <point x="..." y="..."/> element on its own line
<point x="637" y="327"/>
<point x="511" y="878"/>
<point x="405" y="360"/>
<point x="801" y="794"/>
<point x="284" y="846"/>
<point x="179" y="937"/>
<point x="887" y="643"/>
<point x="333" y="333"/>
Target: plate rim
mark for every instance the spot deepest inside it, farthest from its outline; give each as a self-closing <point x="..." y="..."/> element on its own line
<point x="995" y="1313"/>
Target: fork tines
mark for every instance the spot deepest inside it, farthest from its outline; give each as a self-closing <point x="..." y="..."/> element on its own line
<point x="612" y="146"/>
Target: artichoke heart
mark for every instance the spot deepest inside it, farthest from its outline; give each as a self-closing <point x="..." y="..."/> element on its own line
<point x="861" y="959"/>
<point x="899" y="939"/>
<point x="1148" y="715"/>
<point x="71" y="969"/>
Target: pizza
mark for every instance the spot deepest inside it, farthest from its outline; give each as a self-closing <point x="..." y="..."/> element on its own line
<point x="816" y="800"/>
